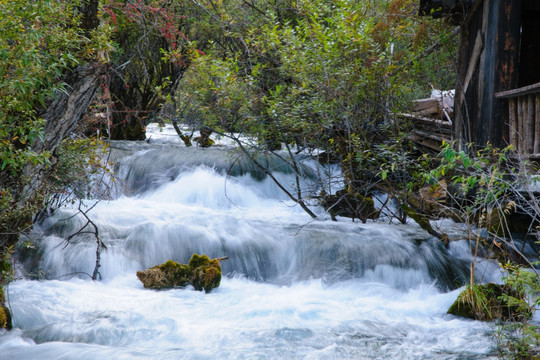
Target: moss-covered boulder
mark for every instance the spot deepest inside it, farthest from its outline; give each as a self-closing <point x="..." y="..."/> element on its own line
<point x="201" y="272"/>
<point x="205" y="273"/>
<point x="489" y="302"/>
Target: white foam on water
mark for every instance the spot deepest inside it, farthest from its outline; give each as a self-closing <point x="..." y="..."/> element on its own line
<point x="295" y="288"/>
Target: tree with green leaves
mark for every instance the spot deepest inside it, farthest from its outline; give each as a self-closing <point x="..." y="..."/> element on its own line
<point x="48" y="78"/>
<point x="327" y="75"/>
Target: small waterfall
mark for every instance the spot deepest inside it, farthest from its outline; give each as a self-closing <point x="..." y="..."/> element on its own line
<point x="248" y="219"/>
<point x="293" y="287"/>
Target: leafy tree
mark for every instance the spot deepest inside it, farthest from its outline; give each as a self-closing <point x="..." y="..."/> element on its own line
<point x="46" y="82"/>
<point x="151" y="52"/>
<point x="320" y="74"/>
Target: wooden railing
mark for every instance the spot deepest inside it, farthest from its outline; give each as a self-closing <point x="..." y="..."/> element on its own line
<point x="524" y="118"/>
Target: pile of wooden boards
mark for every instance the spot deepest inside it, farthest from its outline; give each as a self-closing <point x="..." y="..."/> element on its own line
<point x="439" y="106"/>
<point x="431" y="119"/>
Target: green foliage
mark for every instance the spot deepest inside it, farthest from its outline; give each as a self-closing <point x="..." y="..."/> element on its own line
<point x="6" y="270"/>
<point x="482" y="180"/>
<point x="473" y="302"/>
<point x="40" y="42"/>
<point x="520" y="340"/>
<point x="81" y="165"/>
<point x="324" y="64"/>
<point x="40" y="39"/>
<point x="489" y="185"/>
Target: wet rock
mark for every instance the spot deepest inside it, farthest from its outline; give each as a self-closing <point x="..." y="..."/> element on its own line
<point x="201" y="272"/>
<point x="205" y="273"/>
<point x="489" y="302"/>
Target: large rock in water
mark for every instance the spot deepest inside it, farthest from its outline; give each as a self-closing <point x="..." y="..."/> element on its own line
<point x="201" y="272"/>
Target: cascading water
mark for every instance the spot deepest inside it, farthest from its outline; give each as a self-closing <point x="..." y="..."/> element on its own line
<point x="295" y="288"/>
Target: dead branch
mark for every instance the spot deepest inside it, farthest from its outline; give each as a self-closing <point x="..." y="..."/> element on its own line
<point x="100" y="245"/>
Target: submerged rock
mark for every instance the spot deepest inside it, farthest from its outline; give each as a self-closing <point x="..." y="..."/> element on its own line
<point x="201" y="272"/>
<point x="489" y="302"/>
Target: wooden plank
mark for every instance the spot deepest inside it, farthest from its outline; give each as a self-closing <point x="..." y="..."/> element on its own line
<point x="432" y="136"/>
<point x="525" y="90"/>
<point x="423" y="104"/>
<point x="507" y="60"/>
<point x="473" y="62"/>
<point x="513" y="122"/>
<point x="520" y="127"/>
<point x="429" y="121"/>
<point x="537" y="125"/>
<point x="524" y="116"/>
<point x="430" y="144"/>
<point x="471" y="69"/>
<point x="530" y="123"/>
<point x="435" y="110"/>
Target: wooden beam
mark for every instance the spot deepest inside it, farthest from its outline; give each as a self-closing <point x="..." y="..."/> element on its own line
<point x="424" y="104"/>
<point x="526" y="90"/>
<point x="521" y="128"/>
<point x="431" y="136"/>
<point x="530" y="123"/>
<point x="473" y="63"/>
<point x="471" y="69"/>
<point x="513" y="122"/>
<point x="428" y="143"/>
<point x="430" y="121"/>
<point x="537" y="125"/>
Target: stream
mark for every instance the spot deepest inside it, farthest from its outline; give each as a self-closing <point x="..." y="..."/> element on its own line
<point x="293" y="287"/>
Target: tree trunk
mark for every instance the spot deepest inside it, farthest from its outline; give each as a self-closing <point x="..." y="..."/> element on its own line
<point x="61" y="116"/>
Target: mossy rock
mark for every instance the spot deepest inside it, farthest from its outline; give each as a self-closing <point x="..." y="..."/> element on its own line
<point x="201" y="272"/>
<point x="5" y="318"/>
<point x="205" y="273"/>
<point x="489" y="302"/>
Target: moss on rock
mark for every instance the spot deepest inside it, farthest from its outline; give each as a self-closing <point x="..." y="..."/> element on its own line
<point x="206" y="273"/>
<point x="201" y="272"/>
<point x="5" y="318"/>
<point x="489" y="302"/>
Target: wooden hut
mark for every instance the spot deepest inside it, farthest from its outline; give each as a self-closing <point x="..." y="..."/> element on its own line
<point x="498" y="90"/>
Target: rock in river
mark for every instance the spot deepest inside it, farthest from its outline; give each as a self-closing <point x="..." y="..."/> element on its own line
<point x="201" y="272"/>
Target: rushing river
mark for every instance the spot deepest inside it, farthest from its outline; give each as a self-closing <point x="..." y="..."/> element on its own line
<point x="293" y="287"/>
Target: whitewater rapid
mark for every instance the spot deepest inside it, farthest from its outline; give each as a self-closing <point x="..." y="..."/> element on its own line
<point x="293" y="287"/>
